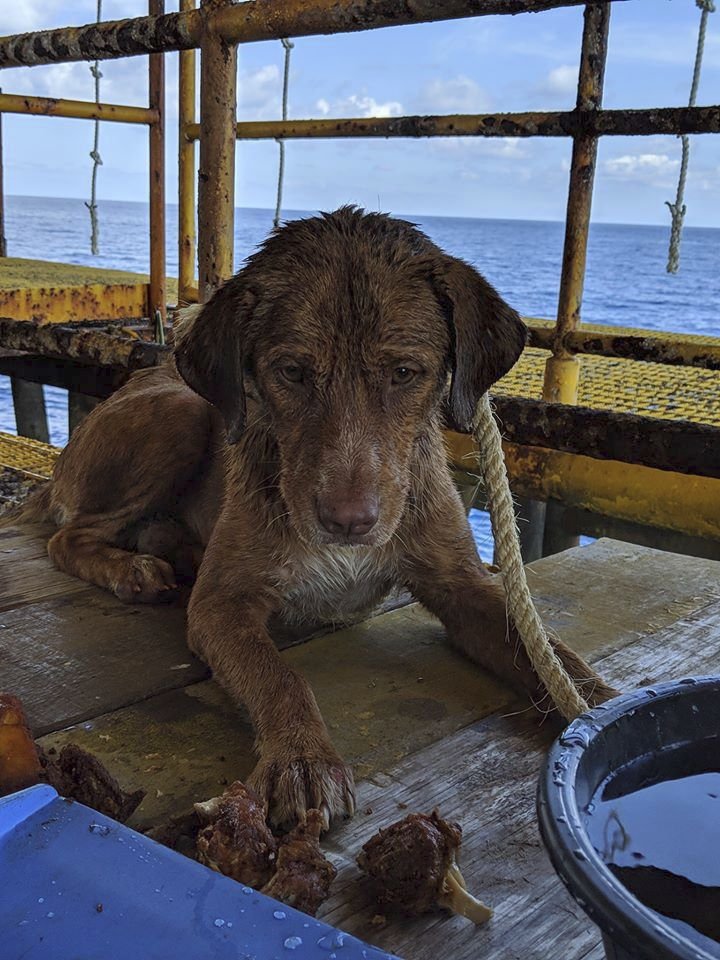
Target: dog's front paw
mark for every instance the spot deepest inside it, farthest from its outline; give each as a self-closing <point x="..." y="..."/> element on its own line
<point x="291" y="785"/>
<point x="145" y="579"/>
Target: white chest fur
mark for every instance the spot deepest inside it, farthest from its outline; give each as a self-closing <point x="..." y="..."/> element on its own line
<point x="335" y="583"/>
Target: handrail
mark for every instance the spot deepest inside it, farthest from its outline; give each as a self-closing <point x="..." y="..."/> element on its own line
<point x="76" y="109"/>
<point x="247" y="22"/>
<point x="598" y="123"/>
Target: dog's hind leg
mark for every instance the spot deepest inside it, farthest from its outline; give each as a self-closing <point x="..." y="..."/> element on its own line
<point x="84" y="551"/>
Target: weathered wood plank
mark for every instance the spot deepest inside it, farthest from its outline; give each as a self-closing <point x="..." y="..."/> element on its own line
<point x="485" y="777"/>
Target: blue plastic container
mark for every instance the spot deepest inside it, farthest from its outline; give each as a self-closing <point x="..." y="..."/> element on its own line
<point x="79" y="886"/>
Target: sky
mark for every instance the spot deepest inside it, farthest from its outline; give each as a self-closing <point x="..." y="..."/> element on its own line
<point x="485" y="64"/>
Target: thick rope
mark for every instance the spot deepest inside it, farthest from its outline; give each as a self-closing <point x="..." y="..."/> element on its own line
<point x="95" y="155"/>
<point x="678" y="209"/>
<point x="520" y="604"/>
<point x="281" y="143"/>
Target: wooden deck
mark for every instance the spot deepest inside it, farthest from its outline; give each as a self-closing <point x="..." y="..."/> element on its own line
<point x="422" y="727"/>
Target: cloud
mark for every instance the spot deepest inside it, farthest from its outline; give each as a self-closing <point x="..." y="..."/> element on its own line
<point x="457" y="95"/>
<point x="655" y="169"/>
<point x="260" y="92"/>
<point x="359" y="105"/>
<point x="560" y="81"/>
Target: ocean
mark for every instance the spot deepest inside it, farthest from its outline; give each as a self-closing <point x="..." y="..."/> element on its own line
<point x="626" y="283"/>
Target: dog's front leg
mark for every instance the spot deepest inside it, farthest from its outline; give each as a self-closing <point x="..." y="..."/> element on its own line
<point x="298" y="768"/>
<point x="445" y="574"/>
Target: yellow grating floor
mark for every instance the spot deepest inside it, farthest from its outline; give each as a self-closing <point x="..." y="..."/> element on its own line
<point x="30" y="456"/>
<point x="627" y="386"/>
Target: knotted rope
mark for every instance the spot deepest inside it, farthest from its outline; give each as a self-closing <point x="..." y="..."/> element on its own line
<point x="95" y="155"/>
<point x="520" y="604"/>
<point x="678" y="209"/>
<point x="281" y="143"/>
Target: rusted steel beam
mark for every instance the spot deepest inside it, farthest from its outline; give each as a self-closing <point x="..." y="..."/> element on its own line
<point x="582" y="170"/>
<point x="216" y="177"/>
<point x="186" y="166"/>
<point x="102" y="41"/>
<point x="629" y="347"/>
<point x="3" y="241"/>
<point x="677" y="445"/>
<point x="92" y="301"/>
<point x="156" y="95"/>
<point x="97" y="382"/>
<point x="666" y="120"/>
<point x="75" y="109"/>
<point x="92" y="346"/>
<point x="245" y="23"/>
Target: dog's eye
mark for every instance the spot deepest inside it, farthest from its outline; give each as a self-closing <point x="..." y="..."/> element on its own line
<point x="403" y="375"/>
<point x="292" y="373"/>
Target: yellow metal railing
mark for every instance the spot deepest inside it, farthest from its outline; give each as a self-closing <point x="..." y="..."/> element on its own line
<point x="218" y="26"/>
<point x="58" y="304"/>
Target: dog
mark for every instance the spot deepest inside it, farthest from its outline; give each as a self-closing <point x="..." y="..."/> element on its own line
<point x="292" y="456"/>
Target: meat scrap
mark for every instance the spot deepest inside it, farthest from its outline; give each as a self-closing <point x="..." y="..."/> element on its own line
<point x="75" y="774"/>
<point x="413" y="866"/>
<point x="303" y="875"/>
<point x="80" y="776"/>
<point x="236" y="840"/>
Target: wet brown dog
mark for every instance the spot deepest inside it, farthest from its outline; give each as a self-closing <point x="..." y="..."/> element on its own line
<point x="301" y="445"/>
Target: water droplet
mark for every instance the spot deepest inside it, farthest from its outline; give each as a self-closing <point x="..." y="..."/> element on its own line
<point x="101" y="829"/>
<point x="247" y="890"/>
<point x="580" y="855"/>
<point x="590" y="808"/>
<point x="279" y="914"/>
<point x="41" y="899"/>
<point x="688" y="681"/>
<point x="50" y="915"/>
<point x="331" y="942"/>
<point x="561" y="819"/>
<point x="292" y="943"/>
<point x="219" y="922"/>
<point x="229" y="923"/>
<point x="695" y="708"/>
<point x="651" y="693"/>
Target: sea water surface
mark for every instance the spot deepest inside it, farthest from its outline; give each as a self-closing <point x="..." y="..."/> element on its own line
<point x="626" y="283"/>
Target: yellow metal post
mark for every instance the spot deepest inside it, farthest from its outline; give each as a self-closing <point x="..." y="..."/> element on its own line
<point x="216" y="180"/>
<point x="158" y="282"/>
<point x="561" y="372"/>
<point x="186" y="169"/>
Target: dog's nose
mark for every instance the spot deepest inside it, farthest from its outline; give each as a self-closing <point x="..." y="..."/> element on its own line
<point x="348" y="517"/>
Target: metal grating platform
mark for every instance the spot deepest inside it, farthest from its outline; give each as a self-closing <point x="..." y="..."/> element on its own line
<point x="30" y="456"/>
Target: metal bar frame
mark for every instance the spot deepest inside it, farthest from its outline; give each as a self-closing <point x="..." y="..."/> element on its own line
<point x="76" y="109"/>
<point x="607" y="123"/>
<point x="156" y="95"/>
<point x="248" y="22"/>
<point x="187" y="243"/>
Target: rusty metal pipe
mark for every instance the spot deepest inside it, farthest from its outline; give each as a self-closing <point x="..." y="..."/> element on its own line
<point x="666" y="120"/>
<point x="186" y="166"/>
<point x="76" y="109"/>
<point x="245" y="23"/>
<point x="3" y="241"/>
<point x="216" y="177"/>
<point x="156" y="87"/>
<point x="676" y="352"/>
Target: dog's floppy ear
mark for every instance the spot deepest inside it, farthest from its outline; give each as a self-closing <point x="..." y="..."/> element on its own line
<point x="488" y="335"/>
<point x="210" y="351"/>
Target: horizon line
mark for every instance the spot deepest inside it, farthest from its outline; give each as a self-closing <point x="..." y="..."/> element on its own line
<point x="423" y="216"/>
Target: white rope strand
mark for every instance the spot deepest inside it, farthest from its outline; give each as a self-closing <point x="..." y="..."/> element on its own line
<point x="678" y="209"/>
<point x="281" y="143"/>
<point x="95" y="155"/>
<point x="521" y="608"/>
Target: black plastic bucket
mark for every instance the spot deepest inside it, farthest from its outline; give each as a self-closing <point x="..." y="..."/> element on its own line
<point x="625" y="730"/>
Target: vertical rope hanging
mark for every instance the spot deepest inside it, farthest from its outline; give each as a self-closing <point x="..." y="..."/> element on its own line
<point x="678" y="209"/>
<point x="281" y="143"/>
<point x="95" y="156"/>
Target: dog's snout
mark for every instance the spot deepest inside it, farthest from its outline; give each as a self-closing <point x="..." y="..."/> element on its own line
<point x="348" y="516"/>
